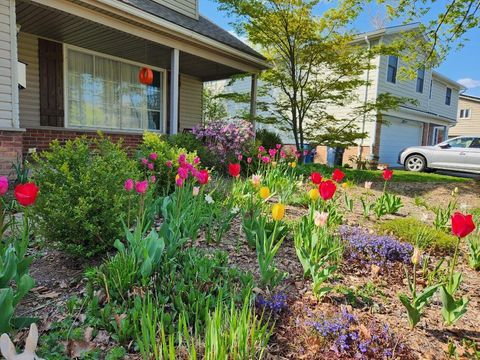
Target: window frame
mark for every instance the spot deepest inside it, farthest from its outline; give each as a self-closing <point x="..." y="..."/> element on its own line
<point x="464" y="113"/>
<point x="67" y="124"/>
<point x="395" y="71"/>
<point x="448" y="96"/>
<point x="421" y="80"/>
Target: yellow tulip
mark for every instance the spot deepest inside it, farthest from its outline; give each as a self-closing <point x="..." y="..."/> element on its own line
<point x="264" y="192"/>
<point x="274" y="164"/>
<point x="293" y="164"/>
<point x="314" y="194"/>
<point x="278" y="212"/>
<point x="345" y="185"/>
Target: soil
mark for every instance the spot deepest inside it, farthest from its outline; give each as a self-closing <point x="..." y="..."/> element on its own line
<point x="58" y="277"/>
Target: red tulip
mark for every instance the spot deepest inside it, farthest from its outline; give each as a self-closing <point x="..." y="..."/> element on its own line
<point x="327" y="189"/>
<point x="234" y="169"/>
<point x="338" y="175"/>
<point x="387" y="174"/>
<point x="462" y="225"/>
<point x="316" y="178"/>
<point x="26" y="194"/>
<point x="202" y="177"/>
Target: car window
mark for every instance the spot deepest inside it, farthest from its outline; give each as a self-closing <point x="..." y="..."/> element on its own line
<point x="460" y="143"/>
<point x="475" y="143"/>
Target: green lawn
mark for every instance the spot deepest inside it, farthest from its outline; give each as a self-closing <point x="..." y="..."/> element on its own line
<point x="359" y="176"/>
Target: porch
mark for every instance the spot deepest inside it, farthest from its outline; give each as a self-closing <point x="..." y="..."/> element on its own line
<point x="82" y="61"/>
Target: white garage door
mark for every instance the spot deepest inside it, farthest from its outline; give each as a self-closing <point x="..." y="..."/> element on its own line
<point x="396" y="136"/>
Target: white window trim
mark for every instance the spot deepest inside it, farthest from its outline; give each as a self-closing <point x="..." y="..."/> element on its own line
<point x="464" y="110"/>
<point x="67" y="47"/>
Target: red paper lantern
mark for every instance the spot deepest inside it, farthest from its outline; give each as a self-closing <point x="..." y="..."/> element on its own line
<point x="145" y="76"/>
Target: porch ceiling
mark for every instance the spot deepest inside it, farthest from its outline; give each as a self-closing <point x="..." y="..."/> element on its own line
<point x="60" y="26"/>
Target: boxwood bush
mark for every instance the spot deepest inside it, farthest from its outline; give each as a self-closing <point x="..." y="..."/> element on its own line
<point x="83" y="199"/>
<point x="415" y="231"/>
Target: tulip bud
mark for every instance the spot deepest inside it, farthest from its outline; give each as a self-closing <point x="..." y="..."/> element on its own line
<point x="416" y="256"/>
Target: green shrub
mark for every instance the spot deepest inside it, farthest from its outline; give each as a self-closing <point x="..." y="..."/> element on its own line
<point x="165" y="151"/>
<point x="416" y="232"/>
<point x="83" y="199"/>
<point x="190" y="142"/>
<point x="267" y="138"/>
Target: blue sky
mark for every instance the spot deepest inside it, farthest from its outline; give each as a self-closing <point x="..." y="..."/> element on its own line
<point x="461" y="65"/>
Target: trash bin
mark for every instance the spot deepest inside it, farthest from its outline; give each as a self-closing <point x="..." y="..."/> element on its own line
<point x="335" y="156"/>
<point x="308" y="159"/>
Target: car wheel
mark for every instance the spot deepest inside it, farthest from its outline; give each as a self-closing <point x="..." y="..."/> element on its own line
<point x="416" y="163"/>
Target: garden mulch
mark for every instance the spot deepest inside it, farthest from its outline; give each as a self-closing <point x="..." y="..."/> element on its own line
<point x="58" y="277"/>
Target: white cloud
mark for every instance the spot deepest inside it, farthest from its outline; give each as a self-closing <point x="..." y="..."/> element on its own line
<point x="469" y="83"/>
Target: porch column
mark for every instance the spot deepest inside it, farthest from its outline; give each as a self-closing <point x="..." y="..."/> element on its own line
<point x="253" y="99"/>
<point x="174" y="92"/>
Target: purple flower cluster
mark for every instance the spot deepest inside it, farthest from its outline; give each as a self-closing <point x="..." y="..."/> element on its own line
<point x="274" y="304"/>
<point x="380" y="250"/>
<point x="344" y="336"/>
<point x="225" y="139"/>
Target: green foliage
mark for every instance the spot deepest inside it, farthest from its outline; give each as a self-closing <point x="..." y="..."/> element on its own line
<point x="474" y="249"/>
<point x="166" y="151"/>
<point x="268" y="139"/>
<point x="442" y="214"/>
<point x="407" y="229"/>
<point x="387" y="204"/>
<point x="267" y="246"/>
<point x="212" y="107"/>
<point x="452" y="309"/>
<point x="189" y="142"/>
<point x="360" y="176"/>
<point x="82" y="202"/>
<point x="318" y="252"/>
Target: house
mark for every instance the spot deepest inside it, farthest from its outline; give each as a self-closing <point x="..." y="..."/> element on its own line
<point x="468" y="117"/>
<point x="425" y="122"/>
<point x="71" y="67"/>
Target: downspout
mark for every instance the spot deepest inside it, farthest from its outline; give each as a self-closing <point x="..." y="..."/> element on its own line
<point x="360" y="146"/>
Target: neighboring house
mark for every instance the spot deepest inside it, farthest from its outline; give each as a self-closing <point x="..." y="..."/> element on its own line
<point x="424" y="123"/>
<point x="468" y="117"/>
<point x="76" y="63"/>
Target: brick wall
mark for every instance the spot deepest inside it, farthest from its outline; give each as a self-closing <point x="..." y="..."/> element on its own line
<point x="39" y="139"/>
<point x="10" y="149"/>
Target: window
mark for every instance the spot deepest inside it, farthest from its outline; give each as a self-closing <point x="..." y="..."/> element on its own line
<point x="448" y="96"/>
<point x="420" y="80"/>
<point x="392" y="69"/>
<point x="464" y="114"/>
<point x="462" y="142"/>
<point x="105" y="93"/>
<point x="431" y="89"/>
<point x="475" y="143"/>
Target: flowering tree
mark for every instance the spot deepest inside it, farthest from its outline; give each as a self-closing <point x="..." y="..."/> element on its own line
<point x="225" y="139"/>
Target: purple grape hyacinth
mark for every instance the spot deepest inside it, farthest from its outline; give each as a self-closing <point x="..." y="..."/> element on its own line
<point x="274" y="304"/>
<point x="380" y="250"/>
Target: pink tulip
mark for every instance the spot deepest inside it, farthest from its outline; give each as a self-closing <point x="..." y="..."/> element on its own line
<point x="153" y="156"/>
<point x="283" y="155"/>
<point x="278" y="146"/>
<point x="169" y="163"/>
<point x="141" y="186"/>
<point x="240" y="157"/>
<point x="182" y="173"/>
<point x="249" y="160"/>
<point x="179" y="182"/>
<point x="259" y="155"/>
<point x="266" y="159"/>
<point x="272" y="152"/>
<point x="153" y="178"/>
<point x="150" y="166"/>
<point x="182" y="159"/>
<point x="144" y="161"/>
<point x="196" y="160"/>
<point x="129" y="185"/>
<point x="3" y="185"/>
<point x="261" y="149"/>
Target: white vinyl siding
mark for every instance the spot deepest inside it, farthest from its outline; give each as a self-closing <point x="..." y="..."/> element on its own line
<point x="185" y="7"/>
<point x="8" y="86"/>
<point x="191" y="90"/>
<point x="29" y="97"/>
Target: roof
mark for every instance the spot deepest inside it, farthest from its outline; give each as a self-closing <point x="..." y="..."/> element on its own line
<point x="445" y="79"/>
<point x="470" y="97"/>
<point x="202" y="25"/>
<point x="389" y="30"/>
